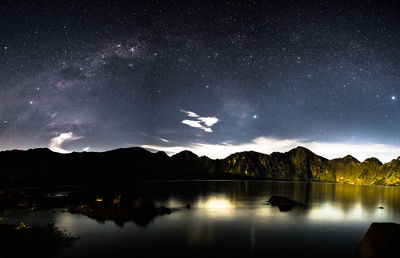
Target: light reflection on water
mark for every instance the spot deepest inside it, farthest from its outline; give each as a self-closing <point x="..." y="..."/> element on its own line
<point x="230" y="217"/>
<point x="216" y="206"/>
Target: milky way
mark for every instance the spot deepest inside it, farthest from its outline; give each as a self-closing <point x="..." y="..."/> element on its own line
<point x="98" y="75"/>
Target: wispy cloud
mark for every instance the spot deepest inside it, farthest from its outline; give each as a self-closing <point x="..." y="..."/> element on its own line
<point x="203" y="123"/>
<point x="196" y="124"/>
<point x="164" y="140"/>
<point x="190" y="113"/>
<point x="361" y="151"/>
<point x="57" y="142"/>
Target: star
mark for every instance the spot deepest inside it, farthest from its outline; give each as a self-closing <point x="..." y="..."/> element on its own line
<point x="136" y="74"/>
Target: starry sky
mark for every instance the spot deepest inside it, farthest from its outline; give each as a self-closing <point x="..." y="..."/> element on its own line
<point x="214" y="77"/>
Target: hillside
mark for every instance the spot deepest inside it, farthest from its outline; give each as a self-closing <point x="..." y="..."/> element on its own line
<point x="44" y="167"/>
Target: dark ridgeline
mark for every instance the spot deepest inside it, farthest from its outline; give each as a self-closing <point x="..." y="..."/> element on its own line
<point x="44" y="167"/>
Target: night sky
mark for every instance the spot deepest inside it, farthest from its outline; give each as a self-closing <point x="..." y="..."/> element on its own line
<point x="214" y="77"/>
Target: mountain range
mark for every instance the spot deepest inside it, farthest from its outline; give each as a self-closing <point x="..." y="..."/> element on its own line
<point x="44" y="167"/>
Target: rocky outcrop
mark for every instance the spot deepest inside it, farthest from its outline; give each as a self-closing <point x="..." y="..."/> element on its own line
<point x="381" y="240"/>
<point x="119" y="210"/>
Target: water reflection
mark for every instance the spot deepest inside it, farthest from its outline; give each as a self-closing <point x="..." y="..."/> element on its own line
<point x="216" y="206"/>
<point x="231" y="216"/>
<point x="329" y="212"/>
<point x="330" y="202"/>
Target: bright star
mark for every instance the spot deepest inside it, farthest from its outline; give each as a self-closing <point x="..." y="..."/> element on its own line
<point x="393" y="97"/>
<point x="31" y="102"/>
<point x="254" y="116"/>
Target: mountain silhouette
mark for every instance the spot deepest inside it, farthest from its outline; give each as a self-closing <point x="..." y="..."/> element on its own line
<point x="44" y="167"/>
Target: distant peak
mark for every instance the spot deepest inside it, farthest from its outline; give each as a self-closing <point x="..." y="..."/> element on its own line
<point x="186" y="155"/>
<point x="130" y="150"/>
<point x="301" y="148"/>
<point x="373" y="161"/>
<point x="349" y="157"/>
<point x="41" y="149"/>
<point x="187" y="152"/>
<point x="161" y="154"/>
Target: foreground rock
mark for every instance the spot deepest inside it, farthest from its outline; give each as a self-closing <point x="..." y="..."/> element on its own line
<point x="31" y="241"/>
<point x="381" y="240"/>
<point x="139" y="211"/>
<point x="282" y="202"/>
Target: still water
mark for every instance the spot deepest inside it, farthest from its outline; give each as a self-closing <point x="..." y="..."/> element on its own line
<point x="230" y="218"/>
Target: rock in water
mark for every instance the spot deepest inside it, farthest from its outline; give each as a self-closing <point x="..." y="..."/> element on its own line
<point x="140" y="211"/>
<point x="381" y="240"/>
<point x="283" y="202"/>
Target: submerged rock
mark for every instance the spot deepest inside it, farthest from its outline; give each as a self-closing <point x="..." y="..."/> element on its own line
<point x="283" y="203"/>
<point x="381" y="240"/>
<point x="139" y="211"/>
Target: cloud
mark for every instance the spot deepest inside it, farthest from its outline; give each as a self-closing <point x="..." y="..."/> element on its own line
<point x="190" y="113"/>
<point x="164" y="140"/>
<point x="361" y="151"/>
<point x="203" y="123"/>
<point x="57" y="142"/>
<point x="209" y="121"/>
<point x="196" y="124"/>
<point x="192" y="123"/>
<point x="66" y="122"/>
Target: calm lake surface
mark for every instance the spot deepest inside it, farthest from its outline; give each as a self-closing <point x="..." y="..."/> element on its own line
<point x="230" y="218"/>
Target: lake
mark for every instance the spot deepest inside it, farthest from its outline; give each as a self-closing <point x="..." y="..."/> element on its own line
<point x="231" y="218"/>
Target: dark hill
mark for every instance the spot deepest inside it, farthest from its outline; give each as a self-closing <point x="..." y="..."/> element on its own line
<point x="43" y="167"/>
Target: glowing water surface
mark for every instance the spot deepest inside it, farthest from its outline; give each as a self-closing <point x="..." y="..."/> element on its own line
<point x="230" y="218"/>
